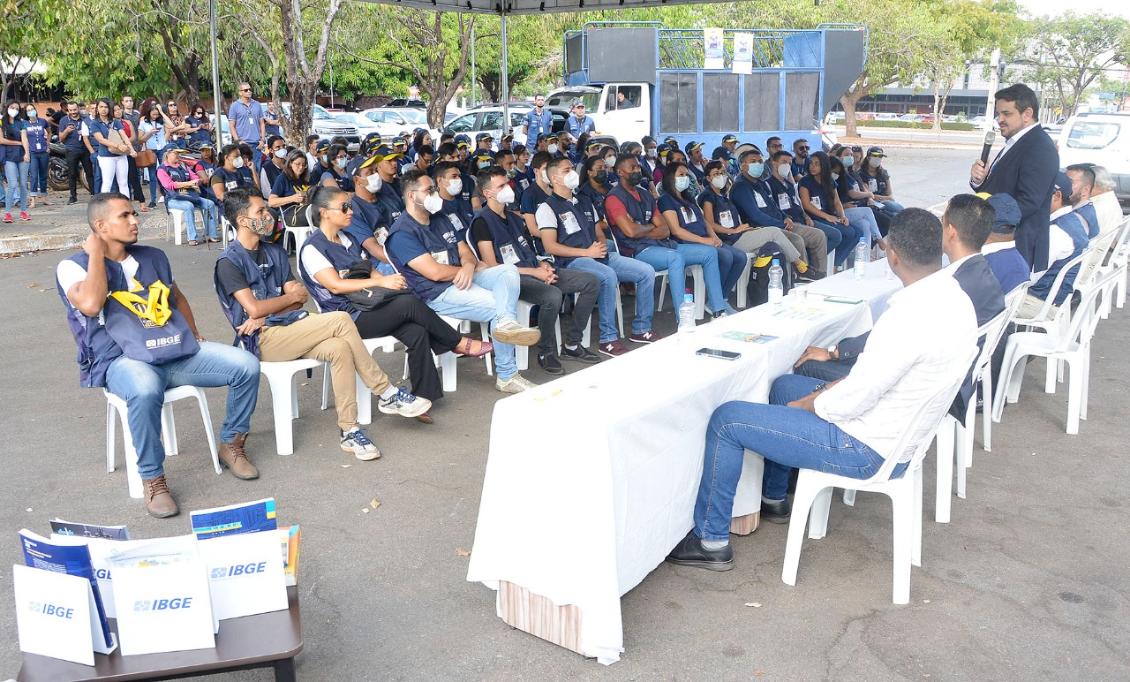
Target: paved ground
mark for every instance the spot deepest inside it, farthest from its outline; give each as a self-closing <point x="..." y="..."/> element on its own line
<point x="1027" y="582"/>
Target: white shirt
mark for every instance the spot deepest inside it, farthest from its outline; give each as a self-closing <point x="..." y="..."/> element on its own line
<point x="920" y="345"/>
<point x="997" y="246"/>
<point x="1010" y="143"/>
<point x="1060" y="245"/>
<point x="546" y="217"/>
<point x="70" y="273"/>
<point x="1108" y="210"/>
<point x="312" y="259"/>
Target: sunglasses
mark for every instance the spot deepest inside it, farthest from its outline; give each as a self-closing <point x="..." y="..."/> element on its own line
<point x="245" y="89"/>
<point x="802" y="149"/>
<point x="346" y="207"/>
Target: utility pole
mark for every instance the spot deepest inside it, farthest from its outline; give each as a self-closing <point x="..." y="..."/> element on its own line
<point x="472" y="66"/>
<point x="994" y="85"/>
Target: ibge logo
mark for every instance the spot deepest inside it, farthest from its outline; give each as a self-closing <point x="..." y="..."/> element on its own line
<point x="47" y="609"/>
<point x="170" y="604"/>
<point x="234" y="571"/>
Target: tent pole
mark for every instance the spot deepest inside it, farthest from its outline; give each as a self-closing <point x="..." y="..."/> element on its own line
<point x="505" y="81"/>
<point x="217" y="99"/>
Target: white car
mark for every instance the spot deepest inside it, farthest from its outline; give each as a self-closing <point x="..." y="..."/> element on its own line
<point x="390" y="122"/>
<point x="1102" y="139"/>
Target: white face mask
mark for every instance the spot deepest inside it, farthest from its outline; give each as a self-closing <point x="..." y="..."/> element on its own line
<point x="31" y="114"/>
<point x="875" y="161"/>
<point x="433" y="203"/>
<point x="280" y="153"/>
<point x="373" y="183"/>
<point x="609" y="160"/>
<point x="552" y="149"/>
<point x="651" y="152"/>
<point x="544" y="176"/>
<point x="785" y="170"/>
<point x="505" y="195"/>
<point x="455" y="187"/>
<point x="238" y="162"/>
<point x="682" y="182"/>
<point x="571" y="179"/>
<point x="340" y="163"/>
<point x="719" y="181"/>
<point x="835" y="176"/>
<point x="13" y="112"/>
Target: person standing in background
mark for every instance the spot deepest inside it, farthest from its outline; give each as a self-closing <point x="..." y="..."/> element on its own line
<point x="37" y="134"/>
<point x="16" y="158"/>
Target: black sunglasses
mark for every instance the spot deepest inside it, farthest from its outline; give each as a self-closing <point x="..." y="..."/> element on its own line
<point x="802" y="149"/>
<point x="346" y="207"/>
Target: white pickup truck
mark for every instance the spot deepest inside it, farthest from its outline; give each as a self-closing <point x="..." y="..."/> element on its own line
<point x="1102" y="139"/>
<point x="620" y="110"/>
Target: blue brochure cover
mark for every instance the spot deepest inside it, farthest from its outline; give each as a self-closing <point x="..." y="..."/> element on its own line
<point x="249" y="517"/>
<point x="62" y="557"/>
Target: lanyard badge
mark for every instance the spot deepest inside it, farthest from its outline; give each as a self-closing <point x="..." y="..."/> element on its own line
<point x="154" y="310"/>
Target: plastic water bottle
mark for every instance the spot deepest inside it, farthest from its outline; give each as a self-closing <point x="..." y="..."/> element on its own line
<point x="776" y="282"/>
<point x="686" y="315"/>
<point x="862" y="256"/>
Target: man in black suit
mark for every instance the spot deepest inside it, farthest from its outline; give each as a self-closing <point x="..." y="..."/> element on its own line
<point x="1025" y="168"/>
<point x="965" y="227"/>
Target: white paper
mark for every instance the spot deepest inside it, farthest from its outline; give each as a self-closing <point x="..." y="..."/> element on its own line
<point x="245" y="574"/>
<point x="53" y="614"/>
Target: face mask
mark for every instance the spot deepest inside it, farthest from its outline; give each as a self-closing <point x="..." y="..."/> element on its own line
<point x="373" y="183"/>
<point x="849" y="161"/>
<point x="609" y="160"/>
<point x="505" y="195"/>
<point x="238" y="162"/>
<point x="325" y="159"/>
<point x="755" y="169"/>
<point x="454" y="187"/>
<point x="511" y="173"/>
<point x="571" y="179"/>
<point x="785" y="170"/>
<point x="13" y="112"/>
<point x="484" y="164"/>
<point x="544" y="176"/>
<point x="651" y="152"/>
<point x="262" y="227"/>
<point x="280" y="153"/>
<point x="635" y="178"/>
<point x="719" y="181"/>
<point x="682" y="182"/>
<point x="835" y="176"/>
<point x="340" y="163"/>
<point x="601" y="177"/>
<point x="552" y="149"/>
<point x="875" y="162"/>
<point x="31" y="114"/>
<point x="433" y="203"/>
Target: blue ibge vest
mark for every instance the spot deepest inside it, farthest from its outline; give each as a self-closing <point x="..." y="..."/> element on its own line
<point x="1074" y="228"/>
<point x="576" y="224"/>
<point x="265" y="281"/>
<point x="117" y="331"/>
<point x="508" y="237"/>
<point x="438" y="238"/>
<point x="640" y="210"/>
<point x="342" y="259"/>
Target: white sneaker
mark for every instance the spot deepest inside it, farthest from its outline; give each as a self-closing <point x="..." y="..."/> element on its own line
<point x="509" y="331"/>
<point x="515" y="384"/>
<point x="357" y="442"/>
<point x="404" y="403"/>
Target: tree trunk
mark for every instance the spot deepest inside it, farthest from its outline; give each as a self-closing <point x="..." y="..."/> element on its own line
<point x="302" y="96"/>
<point x="848" y="102"/>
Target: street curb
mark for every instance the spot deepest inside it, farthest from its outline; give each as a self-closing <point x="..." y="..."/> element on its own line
<point x="22" y="244"/>
<point x="904" y="144"/>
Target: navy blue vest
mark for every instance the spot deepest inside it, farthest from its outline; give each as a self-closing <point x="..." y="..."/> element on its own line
<point x="783" y="191"/>
<point x="265" y="282"/>
<point x="687" y="209"/>
<point x="96" y="349"/>
<point x="640" y="211"/>
<point x="459" y="214"/>
<point x="368" y="222"/>
<point x="390" y="201"/>
<point x="341" y="258"/>
<point x="1069" y="223"/>
<point x="178" y="174"/>
<point x="508" y="236"/>
<point x="721" y="205"/>
<point x="580" y="236"/>
<point x="438" y="238"/>
<point x="879" y="179"/>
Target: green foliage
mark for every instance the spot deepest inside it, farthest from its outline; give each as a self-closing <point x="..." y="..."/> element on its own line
<point x="1071" y="52"/>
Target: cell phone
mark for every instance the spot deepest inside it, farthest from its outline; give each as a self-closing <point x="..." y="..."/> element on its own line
<point x="716" y="353"/>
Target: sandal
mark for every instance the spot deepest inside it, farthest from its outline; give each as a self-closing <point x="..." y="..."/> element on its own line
<point x="144" y="208"/>
<point x="468" y="348"/>
<point x="425" y="418"/>
<point x="193" y="242"/>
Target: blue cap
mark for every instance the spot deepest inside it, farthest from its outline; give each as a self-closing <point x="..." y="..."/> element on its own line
<point x="1007" y="213"/>
<point x="1063" y="186"/>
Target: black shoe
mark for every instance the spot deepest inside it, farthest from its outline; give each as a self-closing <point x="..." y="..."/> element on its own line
<point x="72" y="200"/>
<point x="550" y="364"/>
<point x="580" y="354"/>
<point x="690" y="552"/>
<point x="776" y="512"/>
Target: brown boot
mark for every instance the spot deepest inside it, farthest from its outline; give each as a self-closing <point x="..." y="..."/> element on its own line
<point x="159" y="501"/>
<point x="234" y="457"/>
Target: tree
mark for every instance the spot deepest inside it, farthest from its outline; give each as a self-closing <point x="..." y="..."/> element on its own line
<point x="1072" y="51"/>
<point x="304" y="71"/>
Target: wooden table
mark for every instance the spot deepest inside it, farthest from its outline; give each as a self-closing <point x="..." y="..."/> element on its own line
<point x="268" y="640"/>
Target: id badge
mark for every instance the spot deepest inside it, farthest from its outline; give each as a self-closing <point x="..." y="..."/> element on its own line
<point x="381" y="235"/>
<point x="817" y="203"/>
<point x="873" y="186"/>
<point x="509" y="256"/>
<point x="455" y="222"/>
<point x="440" y="257"/>
<point x="783" y="202"/>
<point x="570" y="222"/>
<point x="725" y="219"/>
<point x="759" y="199"/>
<point x="688" y="217"/>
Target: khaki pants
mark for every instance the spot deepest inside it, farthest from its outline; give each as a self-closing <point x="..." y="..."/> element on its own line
<point x="753" y="240"/>
<point x="334" y="338"/>
<point x="810" y="240"/>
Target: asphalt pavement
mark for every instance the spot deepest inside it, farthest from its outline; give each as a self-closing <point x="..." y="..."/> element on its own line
<point x="1028" y="581"/>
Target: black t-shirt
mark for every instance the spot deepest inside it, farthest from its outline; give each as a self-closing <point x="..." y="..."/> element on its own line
<point x="232" y="280"/>
<point x="480" y="232"/>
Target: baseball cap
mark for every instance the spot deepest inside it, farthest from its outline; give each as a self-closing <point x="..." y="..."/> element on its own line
<point x="730" y="137"/>
<point x="691" y="146"/>
<point x="322" y="145"/>
<point x="875" y="151"/>
<point x="1007" y="212"/>
<point x="385" y="152"/>
<point x="578" y="102"/>
<point x="483" y="136"/>
<point x="1063" y="185"/>
<point x="360" y="161"/>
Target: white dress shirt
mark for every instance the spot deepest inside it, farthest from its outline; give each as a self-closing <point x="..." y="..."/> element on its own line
<point x="920" y="345"/>
<point x="1010" y="143"/>
<point x="1060" y="244"/>
<point x="1108" y="210"/>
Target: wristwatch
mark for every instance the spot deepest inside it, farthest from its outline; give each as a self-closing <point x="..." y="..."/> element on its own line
<point x="834" y="351"/>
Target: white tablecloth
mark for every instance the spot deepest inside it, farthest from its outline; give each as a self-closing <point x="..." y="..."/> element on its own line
<point x="591" y="479"/>
<point x="876" y="287"/>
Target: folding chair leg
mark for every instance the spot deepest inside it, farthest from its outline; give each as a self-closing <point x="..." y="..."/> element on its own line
<point x="902" y="507"/>
<point x="206" y="417"/>
<point x="945" y="470"/>
<point x="169" y="431"/>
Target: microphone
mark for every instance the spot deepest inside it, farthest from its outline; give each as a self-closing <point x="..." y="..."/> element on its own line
<point x="990" y="136"/>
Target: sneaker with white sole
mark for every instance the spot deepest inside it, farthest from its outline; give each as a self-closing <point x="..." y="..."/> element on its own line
<point x="509" y="331"/>
<point x="404" y="403"/>
<point x="515" y="384"/>
<point x="357" y="442"/>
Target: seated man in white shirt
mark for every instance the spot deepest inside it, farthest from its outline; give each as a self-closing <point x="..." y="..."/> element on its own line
<point x="1067" y="239"/>
<point x="919" y="346"/>
<point x="1107" y="207"/>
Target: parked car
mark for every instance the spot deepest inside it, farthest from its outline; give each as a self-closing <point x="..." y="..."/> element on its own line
<point x="402" y="102"/>
<point x="489" y="119"/>
<point x="1102" y="139"/>
<point x="327" y="126"/>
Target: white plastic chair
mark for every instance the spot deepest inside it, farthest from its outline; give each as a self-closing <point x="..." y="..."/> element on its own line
<point x="1119" y="260"/>
<point x="385" y="344"/>
<point x="962" y="432"/>
<point x="699" y="293"/>
<point x="176" y="223"/>
<point x="743" y="281"/>
<point x="1114" y="260"/>
<point x="1072" y="347"/>
<point x="813" y="497"/>
<point x="168" y="432"/>
<point x="284" y="396"/>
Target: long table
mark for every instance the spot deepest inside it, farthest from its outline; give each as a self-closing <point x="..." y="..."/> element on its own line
<point x="591" y="479"/>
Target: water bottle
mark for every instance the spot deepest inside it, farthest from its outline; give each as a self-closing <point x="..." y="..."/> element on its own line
<point x="686" y="315"/>
<point x="862" y="256"/>
<point x="776" y="282"/>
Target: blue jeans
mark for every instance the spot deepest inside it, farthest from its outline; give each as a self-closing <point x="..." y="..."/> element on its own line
<point x="842" y="238"/>
<point x="674" y="261"/>
<point x="620" y="269"/>
<point x="863" y="219"/>
<point x="786" y="437"/>
<point x="187" y="203"/>
<point x="154" y="185"/>
<point x="731" y="263"/>
<point x="143" y="388"/>
<point x="15" y="172"/>
<point x="492" y="298"/>
<point x="38" y="184"/>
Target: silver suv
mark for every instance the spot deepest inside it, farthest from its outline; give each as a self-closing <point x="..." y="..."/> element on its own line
<point x="327" y="127"/>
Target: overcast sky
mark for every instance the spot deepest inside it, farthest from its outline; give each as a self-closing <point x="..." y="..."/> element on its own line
<point x="1057" y="7"/>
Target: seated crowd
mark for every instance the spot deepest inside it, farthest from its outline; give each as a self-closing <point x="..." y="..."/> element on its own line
<point x="409" y="239"/>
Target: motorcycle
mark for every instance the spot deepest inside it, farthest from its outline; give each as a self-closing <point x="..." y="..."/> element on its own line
<point x="57" y="177"/>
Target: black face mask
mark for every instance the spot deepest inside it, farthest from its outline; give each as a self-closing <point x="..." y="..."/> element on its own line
<point x="601" y="177"/>
<point x="635" y="178"/>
